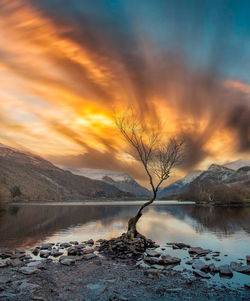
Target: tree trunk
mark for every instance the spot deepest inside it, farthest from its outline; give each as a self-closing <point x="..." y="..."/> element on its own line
<point x="132" y="231"/>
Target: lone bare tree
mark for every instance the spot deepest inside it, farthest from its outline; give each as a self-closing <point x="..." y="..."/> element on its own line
<point x="158" y="156"/>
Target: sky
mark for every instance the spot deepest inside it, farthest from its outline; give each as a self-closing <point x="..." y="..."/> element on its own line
<point x="67" y="66"/>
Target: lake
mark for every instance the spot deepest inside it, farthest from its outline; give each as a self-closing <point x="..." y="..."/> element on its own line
<point x="224" y="229"/>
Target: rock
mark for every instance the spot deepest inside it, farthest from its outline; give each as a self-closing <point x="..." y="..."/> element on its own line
<point x="29" y="270"/>
<point x="28" y="286"/>
<point x="1" y="288"/>
<point x="89" y="242"/>
<point x="200" y="265"/>
<point x="201" y="274"/>
<point x="9" y="296"/>
<point x="174" y="290"/>
<point x="142" y="265"/>
<point x="247" y="286"/>
<point x="248" y="259"/>
<point x="14" y="262"/>
<point x="207" y="258"/>
<point x="67" y="262"/>
<point x="80" y="246"/>
<point x="153" y="260"/>
<point x="101" y="240"/>
<point x="217" y="259"/>
<point x="3" y="264"/>
<point x="162" y="290"/>
<point x="20" y="251"/>
<point x="152" y="253"/>
<point x="151" y="272"/>
<point x="20" y="256"/>
<point x="213" y="268"/>
<point x="89" y="256"/>
<point x="36" y="264"/>
<point x="238" y="267"/>
<point x="65" y="245"/>
<point x="199" y="251"/>
<point x="225" y="270"/>
<point x="44" y="254"/>
<point x="157" y="266"/>
<point x="74" y="242"/>
<point x="5" y="253"/>
<point x="190" y="279"/>
<point x="167" y="259"/>
<point x="35" y="251"/>
<point x="179" y="245"/>
<point x="27" y="257"/>
<point x="47" y="246"/>
<point x="189" y="262"/>
<point x="56" y="253"/>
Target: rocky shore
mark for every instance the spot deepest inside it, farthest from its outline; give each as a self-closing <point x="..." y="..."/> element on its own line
<point x="115" y="270"/>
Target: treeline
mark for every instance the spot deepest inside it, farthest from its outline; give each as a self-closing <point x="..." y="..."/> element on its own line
<point x="7" y="194"/>
<point x="220" y="193"/>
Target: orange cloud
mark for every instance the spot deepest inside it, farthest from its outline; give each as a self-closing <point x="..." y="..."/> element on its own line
<point x="58" y="94"/>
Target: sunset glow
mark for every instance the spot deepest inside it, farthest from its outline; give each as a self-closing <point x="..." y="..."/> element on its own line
<point x="62" y="78"/>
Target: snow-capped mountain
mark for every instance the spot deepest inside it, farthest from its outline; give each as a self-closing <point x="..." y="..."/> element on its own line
<point x="180" y="185"/>
<point x="237" y="164"/>
<point x="218" y="174"/>
<point x="118" y="179"/>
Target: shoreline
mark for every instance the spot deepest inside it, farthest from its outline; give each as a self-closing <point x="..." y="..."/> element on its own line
<point x="100" y="277"/>
<point x="118" y="203"/>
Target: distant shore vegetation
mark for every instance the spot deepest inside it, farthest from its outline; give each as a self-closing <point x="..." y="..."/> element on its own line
<point x="220" y="193"/>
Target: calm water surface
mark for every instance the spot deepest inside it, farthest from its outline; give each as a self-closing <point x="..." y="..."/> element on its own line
<point x="224" y="229"/>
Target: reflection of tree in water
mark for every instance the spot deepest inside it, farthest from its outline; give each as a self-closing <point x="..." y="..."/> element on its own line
<point x="220" y="220"/>
<point x="13" y="210"/>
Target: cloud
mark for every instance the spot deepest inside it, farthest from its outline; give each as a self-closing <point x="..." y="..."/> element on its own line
<point x="68" y="67"/>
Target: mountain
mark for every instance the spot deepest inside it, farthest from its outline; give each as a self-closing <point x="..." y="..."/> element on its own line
<point x="237" y="164"/>
<point x="128" y="184"/>
<point x="118" y="179"/>
<point x="179" y="186"/>
<point x="218" y="174"/>
<point x="29" y="177"/>
<point x="230" y="174"/>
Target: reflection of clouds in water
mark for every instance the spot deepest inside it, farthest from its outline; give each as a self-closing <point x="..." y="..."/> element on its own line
<point x="160" y="226"/>
<point x="93" y="230"/>
<point x="163" y="227"/>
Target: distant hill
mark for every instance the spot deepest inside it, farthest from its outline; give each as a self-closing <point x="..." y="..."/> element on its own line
<point x="118" y="179"/>
<point x="179" y="186"/>
<point x="25" y="176"/>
